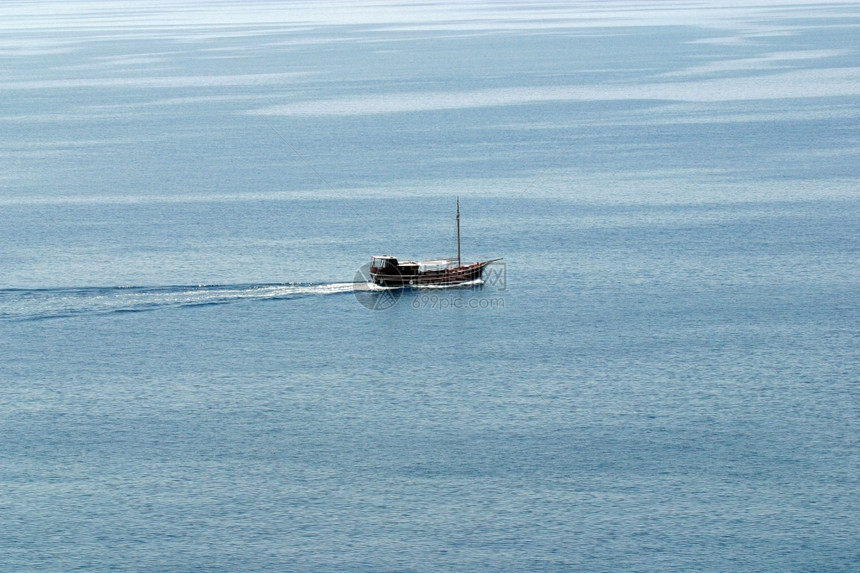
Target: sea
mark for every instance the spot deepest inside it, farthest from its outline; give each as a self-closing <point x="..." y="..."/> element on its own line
<point x="662" y="372"/>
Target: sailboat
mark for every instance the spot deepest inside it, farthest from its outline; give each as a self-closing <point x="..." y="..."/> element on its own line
<point x="386" y="270"/>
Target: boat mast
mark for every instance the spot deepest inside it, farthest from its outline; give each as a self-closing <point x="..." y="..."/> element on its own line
<point x="458" y="231"/>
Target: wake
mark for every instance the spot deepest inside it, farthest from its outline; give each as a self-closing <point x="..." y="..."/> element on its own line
<point x="39" y="304"/>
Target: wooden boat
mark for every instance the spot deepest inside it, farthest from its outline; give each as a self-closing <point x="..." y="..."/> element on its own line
<point x="386" y="270"/>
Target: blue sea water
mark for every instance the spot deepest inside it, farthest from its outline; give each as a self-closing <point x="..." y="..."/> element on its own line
<point x="662" y="374"/>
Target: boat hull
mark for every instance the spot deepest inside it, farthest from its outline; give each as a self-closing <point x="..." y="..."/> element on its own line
<point x="442" y="277"/>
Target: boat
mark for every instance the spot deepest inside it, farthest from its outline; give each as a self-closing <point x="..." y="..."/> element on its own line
<point x="386" y="270"/>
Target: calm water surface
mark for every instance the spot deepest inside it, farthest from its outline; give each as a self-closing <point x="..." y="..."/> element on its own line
<point x="662" y="376"/>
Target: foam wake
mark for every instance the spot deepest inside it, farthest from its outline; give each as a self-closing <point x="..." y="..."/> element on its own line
<point x="37" y="304"/>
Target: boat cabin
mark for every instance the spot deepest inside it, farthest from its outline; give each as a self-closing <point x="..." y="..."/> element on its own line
<point x="388" y="265"/>
<point x="383" y="264"/>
